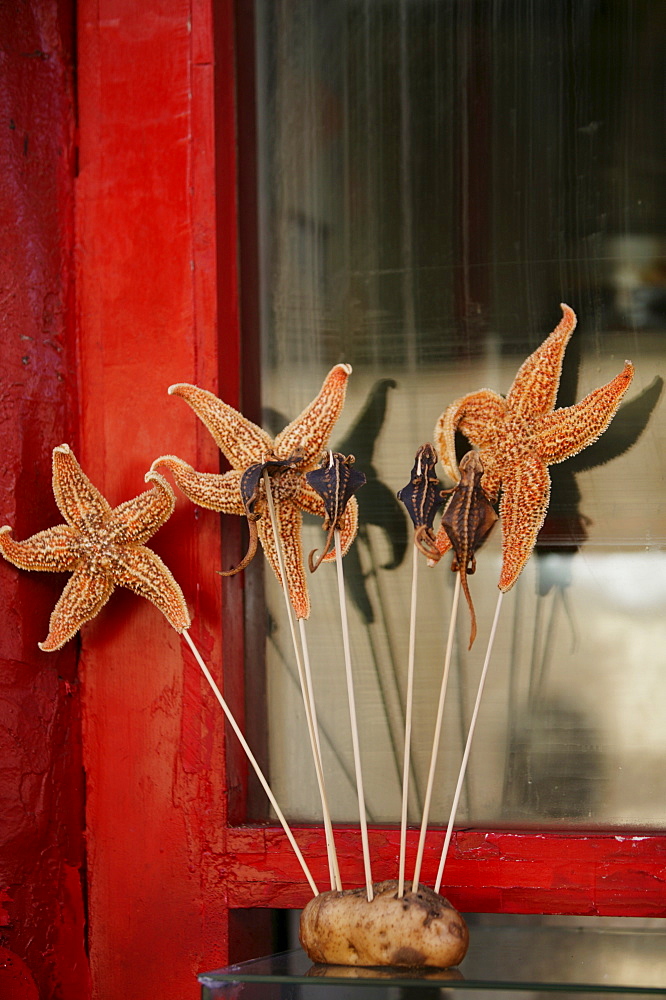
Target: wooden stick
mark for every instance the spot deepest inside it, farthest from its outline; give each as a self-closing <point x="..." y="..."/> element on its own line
<point x="253" y="761"/>
<point x="328" y="737"/>
<point x="307" y="698"/>
<point x="468" y="746"/>
<point x="352" y="717"/>
<point x="408" y="722"/>
<point x="438" y="730"/>
<point x="336" y="882"/>
<point x="389" y="687"/>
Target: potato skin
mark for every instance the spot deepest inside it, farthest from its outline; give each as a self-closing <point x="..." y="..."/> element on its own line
<point x="421" y="929"/>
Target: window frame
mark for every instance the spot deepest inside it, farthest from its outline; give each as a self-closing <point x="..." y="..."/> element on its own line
<point x="558" y="870"/>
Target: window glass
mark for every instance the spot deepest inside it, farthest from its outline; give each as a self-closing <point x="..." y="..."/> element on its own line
<point x="435" y="177"/>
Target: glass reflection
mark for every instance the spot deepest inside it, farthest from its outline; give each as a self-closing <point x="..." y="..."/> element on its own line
<point x="435" y="177"/>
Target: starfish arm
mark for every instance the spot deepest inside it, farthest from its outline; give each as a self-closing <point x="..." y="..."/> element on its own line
<point x="83" y="597"/>
<point x="142" y="571"/>
<point x="241" y="441"/>
<point x="138" y="519"/>
<point x="525" y="495"/>
<point x="289" y="530"/>
<point x="534" y="388"/>
<point x="477" y="416"/>
<point x="309" y="500"/>
<point x="79" y="502"/>
<point x="569" y="430"/>
<point x="311" y="430"/>
<point x="206" y="489"/>
<point x="54" y="550"/>
<point x="442" y="540"/>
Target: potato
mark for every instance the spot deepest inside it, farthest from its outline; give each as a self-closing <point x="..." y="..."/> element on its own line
<point x="421" y="929"/>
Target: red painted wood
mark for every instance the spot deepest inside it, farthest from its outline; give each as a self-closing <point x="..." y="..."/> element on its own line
<point x="152" y="292"/>
<point x="157" y="298"/>
<point x="621" y="874"/>
<point x="41" y="787"/>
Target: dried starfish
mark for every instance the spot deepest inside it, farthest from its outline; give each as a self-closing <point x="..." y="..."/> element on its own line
<point x="520" y="436"/>
<point x="102" y="547"/>
<point x="298" y="447"/>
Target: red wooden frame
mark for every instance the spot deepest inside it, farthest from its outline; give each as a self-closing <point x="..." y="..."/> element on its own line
<point x="42" y="886"/>
<point x="487" y="871"/>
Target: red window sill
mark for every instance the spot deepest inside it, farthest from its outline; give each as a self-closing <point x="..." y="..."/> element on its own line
<point x="509" y="871"/>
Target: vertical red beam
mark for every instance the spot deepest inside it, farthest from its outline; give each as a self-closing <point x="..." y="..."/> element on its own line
<point x="149" y="313"/>
<point x="42" y="923"/>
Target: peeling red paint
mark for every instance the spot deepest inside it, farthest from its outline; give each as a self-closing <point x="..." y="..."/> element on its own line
<point x="487" y="871"/>
<point x="42" y="924"/>
<point x="154" y="284"/>
<point x="16" y="981"/>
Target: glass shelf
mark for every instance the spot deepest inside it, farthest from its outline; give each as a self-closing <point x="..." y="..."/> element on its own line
<point x="582" y="958"/>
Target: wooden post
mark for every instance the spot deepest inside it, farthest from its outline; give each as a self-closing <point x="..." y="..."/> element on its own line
<point x="158" y="303"/>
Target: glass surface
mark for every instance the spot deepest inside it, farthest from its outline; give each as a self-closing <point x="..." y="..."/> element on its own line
<point x="576" y="957"/>
<point x="434" y="179"/>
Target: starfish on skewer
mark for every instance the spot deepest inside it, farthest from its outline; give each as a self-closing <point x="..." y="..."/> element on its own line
<point x="519" y="436"/>
<point x="102" y="547"/>
<point x="286" y="459"/>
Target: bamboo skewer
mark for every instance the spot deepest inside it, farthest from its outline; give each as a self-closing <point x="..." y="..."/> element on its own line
<point x="253" y="761"/>
<point x="389" y="687"/>
<point x="328" y="737"/>
<point x="307" y="699"/>
<point x="336" y="882"/>
<point x="408" y="722"/>
<point x="352" y="717"/>
<point x="436" y="737"/>
<point x="468" y="745"/>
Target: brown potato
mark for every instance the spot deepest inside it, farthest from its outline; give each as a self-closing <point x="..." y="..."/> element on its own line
<point x="421" y="929"/>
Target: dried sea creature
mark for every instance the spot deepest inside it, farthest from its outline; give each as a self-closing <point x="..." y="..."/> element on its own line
<point x="294" y="451"/>
<point x="102" y="547"/>
<point x="519" y="436"/>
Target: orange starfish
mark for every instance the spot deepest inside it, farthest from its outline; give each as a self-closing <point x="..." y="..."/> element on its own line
<point x="101" y="547"/>
<point x="247" y="447"/>
<point x="520" y="436"/>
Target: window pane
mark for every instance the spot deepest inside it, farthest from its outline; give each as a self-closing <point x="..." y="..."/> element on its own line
<point x="435" y="178"/>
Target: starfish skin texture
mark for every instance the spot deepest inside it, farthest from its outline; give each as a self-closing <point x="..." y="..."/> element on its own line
<point x="245" y="445"/>
<point x="102" y="547"/>
<point x="519" y="436"/>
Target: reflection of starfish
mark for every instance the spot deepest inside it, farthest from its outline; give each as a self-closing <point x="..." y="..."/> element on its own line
<point x="101" y="547"/>
<point x="520" y="436"/>
<point x="245" y="445"/>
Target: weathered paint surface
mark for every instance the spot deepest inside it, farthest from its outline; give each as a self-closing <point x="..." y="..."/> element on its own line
<point x="149" y="311"/>
<point x="42" y="922"/>
<point x="488" y="871"/>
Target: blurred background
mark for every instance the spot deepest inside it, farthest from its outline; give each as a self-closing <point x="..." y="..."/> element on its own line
<point x="434" y="178"/>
